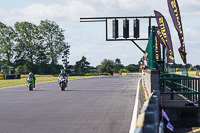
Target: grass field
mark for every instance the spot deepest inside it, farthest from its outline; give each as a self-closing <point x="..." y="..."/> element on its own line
<point x="22" y="81"/>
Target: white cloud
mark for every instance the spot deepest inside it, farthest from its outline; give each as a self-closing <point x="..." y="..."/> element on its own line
<point x="88" y="39"/>
<point x="71" y="11"/>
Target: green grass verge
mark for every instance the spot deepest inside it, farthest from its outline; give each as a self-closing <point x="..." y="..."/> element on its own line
<point x="22" y="81"/>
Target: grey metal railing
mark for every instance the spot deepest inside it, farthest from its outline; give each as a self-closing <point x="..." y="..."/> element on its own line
<point x="187" y="86"/>
<point x="148" y="118"/>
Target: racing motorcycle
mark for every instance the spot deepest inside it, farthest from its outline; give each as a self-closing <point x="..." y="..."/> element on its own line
<point x="30" y="83"/>
<point x="62" y="81"/>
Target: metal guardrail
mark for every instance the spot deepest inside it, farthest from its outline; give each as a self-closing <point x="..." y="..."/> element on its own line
<point x="187" y="86"/>
<point x="131" y="74"/>
<point x="148" y="118"/>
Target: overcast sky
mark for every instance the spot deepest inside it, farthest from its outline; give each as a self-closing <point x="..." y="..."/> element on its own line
<point x="88" y="39"/>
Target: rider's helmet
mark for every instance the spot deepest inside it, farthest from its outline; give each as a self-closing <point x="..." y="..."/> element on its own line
<point x="62" y="72"/>
<point x="30" y="74"/>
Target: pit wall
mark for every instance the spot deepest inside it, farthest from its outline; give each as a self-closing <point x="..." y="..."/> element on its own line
<point x="148" y="118"/>
<point x="150" y="80"/>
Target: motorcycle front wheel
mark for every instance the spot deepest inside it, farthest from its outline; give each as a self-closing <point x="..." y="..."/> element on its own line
<point x="30" y="86"/>
<point x="62" y="86"/>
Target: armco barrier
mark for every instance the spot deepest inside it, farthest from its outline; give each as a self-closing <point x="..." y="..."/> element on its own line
<point x="131" y="74"/>
<point x="192" y="73"/>
<point x="178" y="73"/>
<point x="92" y="74"/>
<point x="148" y="118"/>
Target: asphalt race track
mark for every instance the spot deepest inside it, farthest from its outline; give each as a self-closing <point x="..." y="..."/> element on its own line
<point x="92" y="105"/>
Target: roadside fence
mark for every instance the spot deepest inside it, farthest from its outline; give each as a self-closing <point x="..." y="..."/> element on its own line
<point x="148" y="118"/>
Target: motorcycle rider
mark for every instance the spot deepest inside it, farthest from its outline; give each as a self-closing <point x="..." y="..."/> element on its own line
<point x="30" y="75"/>
<point x="62" y="73"/>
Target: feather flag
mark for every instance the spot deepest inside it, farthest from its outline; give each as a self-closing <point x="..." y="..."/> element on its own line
<point x="165" y="36"/>
<point x="176" y="17"/>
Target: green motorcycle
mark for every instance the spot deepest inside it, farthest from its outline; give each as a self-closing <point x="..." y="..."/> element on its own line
<point x="30" y="83"/>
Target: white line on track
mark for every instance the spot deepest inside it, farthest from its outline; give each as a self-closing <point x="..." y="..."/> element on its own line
<point x="135" y="110"/>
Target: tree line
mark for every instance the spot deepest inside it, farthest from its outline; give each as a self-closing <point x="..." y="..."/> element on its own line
<point x="37" y="48"/>
<point x="106" y="66"/>
<point x="115" y="66"/>
<point x="29" y="47"/>
<point x="190" y="67"/>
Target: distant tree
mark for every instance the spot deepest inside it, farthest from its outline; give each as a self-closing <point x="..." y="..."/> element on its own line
<point x="42" y="62"/>
<point x="65" y="57"/>
<point x="180" y="66"/>
<point x="92" y="67"/>
<point x="70" y="69"/>
<point x="2" y="27"/>
<point x="39" y="46"/>
<point x="27" y="68"/>
<point x="189" y="65"/>
<point x="192" y="69"/>
<point x="23" y="69"/>
<point x="7" y="39"/>
<point x="28" y="40"/>
<point x="174" y="65"/>
<point x="132" y="68"/>
<point x="117" y="61"/>
<point x="123" y="71"/>
<point x="106" y="66"/>
<point x="54" y="40"/>
<point x="82" y="66"/>
<point x="19" y="70"/>
<point x="197" y="67"/>
<point x="117" y="65"/>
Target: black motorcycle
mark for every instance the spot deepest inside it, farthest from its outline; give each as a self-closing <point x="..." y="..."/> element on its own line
<point x="62" y="81"/>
